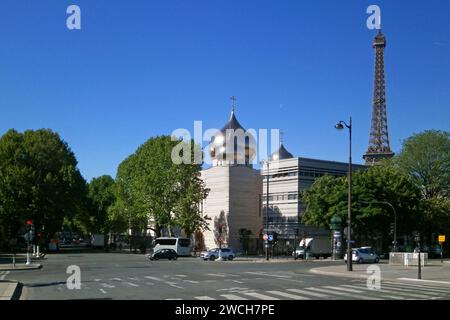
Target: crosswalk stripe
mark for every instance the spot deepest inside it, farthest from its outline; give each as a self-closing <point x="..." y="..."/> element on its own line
<point x="154" y="278"/>
<point x="232" y="297"/>
<point x="343" y="289"/>
<point x="400" y="292"/>
<point x="288" y="295"/>
<point x="343" y="294"/>
<point x="313" y="294"/>
<point x="204" y="298"/>
<point x="191" y="281"/>
<point x="368" y="289"/>
<point x="418" y="286"/>
<point x="131" y="284"/>
<point x="424" y="292"/>
<point x="261" y="273"/>
<point x="103" y="291"/>
<point x="260" y="296"/>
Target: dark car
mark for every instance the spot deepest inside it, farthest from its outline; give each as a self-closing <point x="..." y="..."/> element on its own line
<point x="164" y="254"/>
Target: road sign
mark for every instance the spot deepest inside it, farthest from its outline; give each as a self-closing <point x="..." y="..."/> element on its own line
<point x="339" y="244"/>
<point x="270" y="237"/>
<point x="441" y="238"/>
<point x="265" y="237"/>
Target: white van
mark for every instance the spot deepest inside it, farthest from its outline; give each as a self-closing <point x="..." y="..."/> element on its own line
<point x="182" y="246"/>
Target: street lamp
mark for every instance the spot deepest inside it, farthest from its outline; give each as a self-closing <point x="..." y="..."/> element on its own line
<point x="339" y="126"/>
<point x="266" y="244"/>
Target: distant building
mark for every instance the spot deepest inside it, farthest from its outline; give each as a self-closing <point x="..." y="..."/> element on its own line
<point x="288" y="176"/>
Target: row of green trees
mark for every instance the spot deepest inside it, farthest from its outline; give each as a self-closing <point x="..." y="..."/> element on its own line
<point x="39" y="181"/>
<point x="416" y="182"/>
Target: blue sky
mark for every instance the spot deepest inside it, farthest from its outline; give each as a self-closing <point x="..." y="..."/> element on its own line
<point x="142" y="68"/>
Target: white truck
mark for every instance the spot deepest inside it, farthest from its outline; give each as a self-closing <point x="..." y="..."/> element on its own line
<point x="315" y="247"/>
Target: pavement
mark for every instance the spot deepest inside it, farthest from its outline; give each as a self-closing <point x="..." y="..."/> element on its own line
<point x="109" y="276"/>
<point x="434" y="272"/>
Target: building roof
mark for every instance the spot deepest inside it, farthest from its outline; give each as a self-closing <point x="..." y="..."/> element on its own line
<point x="281" y="154"/>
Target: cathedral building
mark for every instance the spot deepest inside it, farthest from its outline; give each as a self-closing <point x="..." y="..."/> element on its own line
<point x="234" y="202"/>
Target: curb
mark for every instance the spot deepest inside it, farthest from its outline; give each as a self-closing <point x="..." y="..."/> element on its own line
<point x="12" y="292"/>
<point x="338" y="274"/>
<point x="21" y="268"/>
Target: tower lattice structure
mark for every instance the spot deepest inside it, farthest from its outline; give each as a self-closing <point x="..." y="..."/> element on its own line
<point x="379" y="147"/>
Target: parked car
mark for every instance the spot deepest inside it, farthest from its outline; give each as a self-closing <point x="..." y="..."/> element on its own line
<point x="363" y="255"/>
<point x="169" y="254"/>
<point x="213" y="254"/>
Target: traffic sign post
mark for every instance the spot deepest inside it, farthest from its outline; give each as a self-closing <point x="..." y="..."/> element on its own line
<point x="441" y="242"/>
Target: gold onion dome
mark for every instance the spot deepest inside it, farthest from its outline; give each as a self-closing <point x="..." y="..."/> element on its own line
<point x="232" y="144"/>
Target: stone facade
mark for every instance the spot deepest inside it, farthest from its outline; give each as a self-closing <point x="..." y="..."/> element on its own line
<point x="235" y="190"/>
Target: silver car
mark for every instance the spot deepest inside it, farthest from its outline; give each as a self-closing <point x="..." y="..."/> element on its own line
<point x="213" y="254"/>
<point x="363" y="255"/>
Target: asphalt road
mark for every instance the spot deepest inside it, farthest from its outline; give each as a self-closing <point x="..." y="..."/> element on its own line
<point x="131" y="276"/>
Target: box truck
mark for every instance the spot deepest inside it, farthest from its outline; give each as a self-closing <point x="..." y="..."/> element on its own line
<point x="315" y="247"/>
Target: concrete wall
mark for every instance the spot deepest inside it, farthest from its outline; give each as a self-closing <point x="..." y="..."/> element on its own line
<point x="235" y="190"/>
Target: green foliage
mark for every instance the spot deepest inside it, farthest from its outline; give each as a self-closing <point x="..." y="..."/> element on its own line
<point x="426" y="158"/>
<point x="328" y="196"/>
<point x="100" y="198"/>
<point x="38" y="175"/>
<point x="151" y="185"/>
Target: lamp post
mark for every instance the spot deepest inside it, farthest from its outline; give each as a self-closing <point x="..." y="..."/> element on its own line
<point x="395" y="219"/>
<point x="266" y="243"/>
<point x="340" y="125"/>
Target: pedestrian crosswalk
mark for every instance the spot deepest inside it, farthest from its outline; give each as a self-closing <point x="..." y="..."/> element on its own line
<point x="390" y="290"/>
<point x="224" y="287"/>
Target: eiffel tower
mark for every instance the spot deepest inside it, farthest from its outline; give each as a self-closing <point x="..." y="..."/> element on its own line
<point x="379" y="147"/>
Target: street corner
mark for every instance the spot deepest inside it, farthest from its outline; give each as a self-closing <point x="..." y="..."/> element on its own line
<point x="21" y="267"/>
<point x="10" y="290"/>
<point x="340" y="271"/>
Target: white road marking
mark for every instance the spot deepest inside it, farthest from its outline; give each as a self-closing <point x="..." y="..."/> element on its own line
<point x="232" y="297"/>
<point x="131" y="284"/>
<point x="261" y="273"/>
<point x="174" y="284"/>
<point x="191" y="281"/>
<point x="259" y="296"/>
<point x="117" y="279"/>
<point x="333" y="292"/>
<point x="288" y="295"/>
<point x="133" y="278"/>
<point x="97" y="280"/>
<point x="154" y="278"/>
<point x="106" y="285"/>
<point x="313" y="294"/>
<point x="418" y="286"/>
<point x="388" y="295"/>
<point x="236" y="281"/>
<point x="103" y="291"/>
<point x="181" y="275"/>
<point x="407" y="292"/>
<point x="204" y="298"/>
<point x="216" y="275"/>
<point x="173" y="299"/>
<point x="429" y="281"/>
<point x="150" y="283"/>
<point x="343" y="289"/>
<point x="4" y="275"/>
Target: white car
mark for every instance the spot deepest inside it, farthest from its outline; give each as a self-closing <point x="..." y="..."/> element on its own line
<point x="363" y="255"/>
<point x="213" y="254"/>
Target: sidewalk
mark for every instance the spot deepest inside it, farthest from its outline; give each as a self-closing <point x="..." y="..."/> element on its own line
<point x="433" y="272"/>
<point x="9" y="290"/>
<point x="21" y="259"/>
